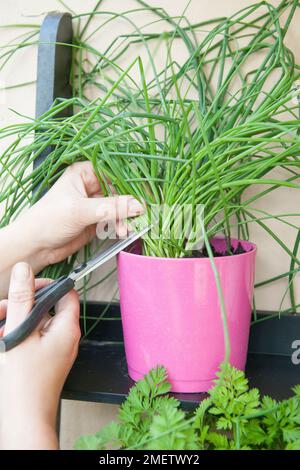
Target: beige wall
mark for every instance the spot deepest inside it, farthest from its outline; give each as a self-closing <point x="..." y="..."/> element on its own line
<point x="78" y="418"/>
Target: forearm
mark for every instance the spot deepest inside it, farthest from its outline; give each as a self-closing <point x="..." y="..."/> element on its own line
<point x="18" y="243"/>
<point x="26" y="433"/>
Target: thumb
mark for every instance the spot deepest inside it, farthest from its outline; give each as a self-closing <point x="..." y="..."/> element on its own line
<point x="106" y="209"/>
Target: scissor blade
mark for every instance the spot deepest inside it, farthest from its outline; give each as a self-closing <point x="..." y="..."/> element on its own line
<point x="86" y="268"/>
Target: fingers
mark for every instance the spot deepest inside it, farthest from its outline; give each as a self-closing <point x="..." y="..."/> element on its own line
<point x="106" y="209"/>
<point x="63" y="329"/>
<point x="44" y="323"/>
<point x="42" y="282"/>
<point x="39" y="283"/>
<point x="20" y="295"/>
<point x="3" y="310"/>
<point x="102" y="230"/>
<point x="122" y="229"/>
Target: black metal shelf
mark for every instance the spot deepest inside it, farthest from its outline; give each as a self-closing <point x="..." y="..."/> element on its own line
<point x="100" y="372"/>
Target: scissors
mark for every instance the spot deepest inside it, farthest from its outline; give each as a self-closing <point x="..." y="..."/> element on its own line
<point x="49" y="295"/>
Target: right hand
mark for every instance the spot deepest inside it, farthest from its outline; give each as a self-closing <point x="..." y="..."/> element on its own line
<point x="66" y="217"/>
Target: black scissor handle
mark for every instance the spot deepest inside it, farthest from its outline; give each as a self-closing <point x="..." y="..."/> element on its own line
<point x="43" y="305"/>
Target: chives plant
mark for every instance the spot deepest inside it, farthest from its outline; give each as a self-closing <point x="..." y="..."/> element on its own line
<point x="197" y="131"/>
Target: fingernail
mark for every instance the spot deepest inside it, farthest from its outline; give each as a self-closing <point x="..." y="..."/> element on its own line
<point x="135" y="207"/>
<point x="21" y="272"/>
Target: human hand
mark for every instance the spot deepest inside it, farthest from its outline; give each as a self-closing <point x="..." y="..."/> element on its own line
<point x="65" y="219"/>
<point x="32" y="374"/>
<point x="61" y="222"/>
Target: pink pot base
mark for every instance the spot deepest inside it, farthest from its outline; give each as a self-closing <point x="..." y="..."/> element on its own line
<point x="171" y="314"/>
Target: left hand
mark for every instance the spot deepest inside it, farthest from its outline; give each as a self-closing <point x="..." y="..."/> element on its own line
<point x="65" y="219"/>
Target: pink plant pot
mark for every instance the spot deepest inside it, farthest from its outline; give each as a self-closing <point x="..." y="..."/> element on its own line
<point x="171" y="314"/>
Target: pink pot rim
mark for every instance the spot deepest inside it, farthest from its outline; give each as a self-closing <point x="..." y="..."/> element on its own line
<point x="252" y="250"/>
